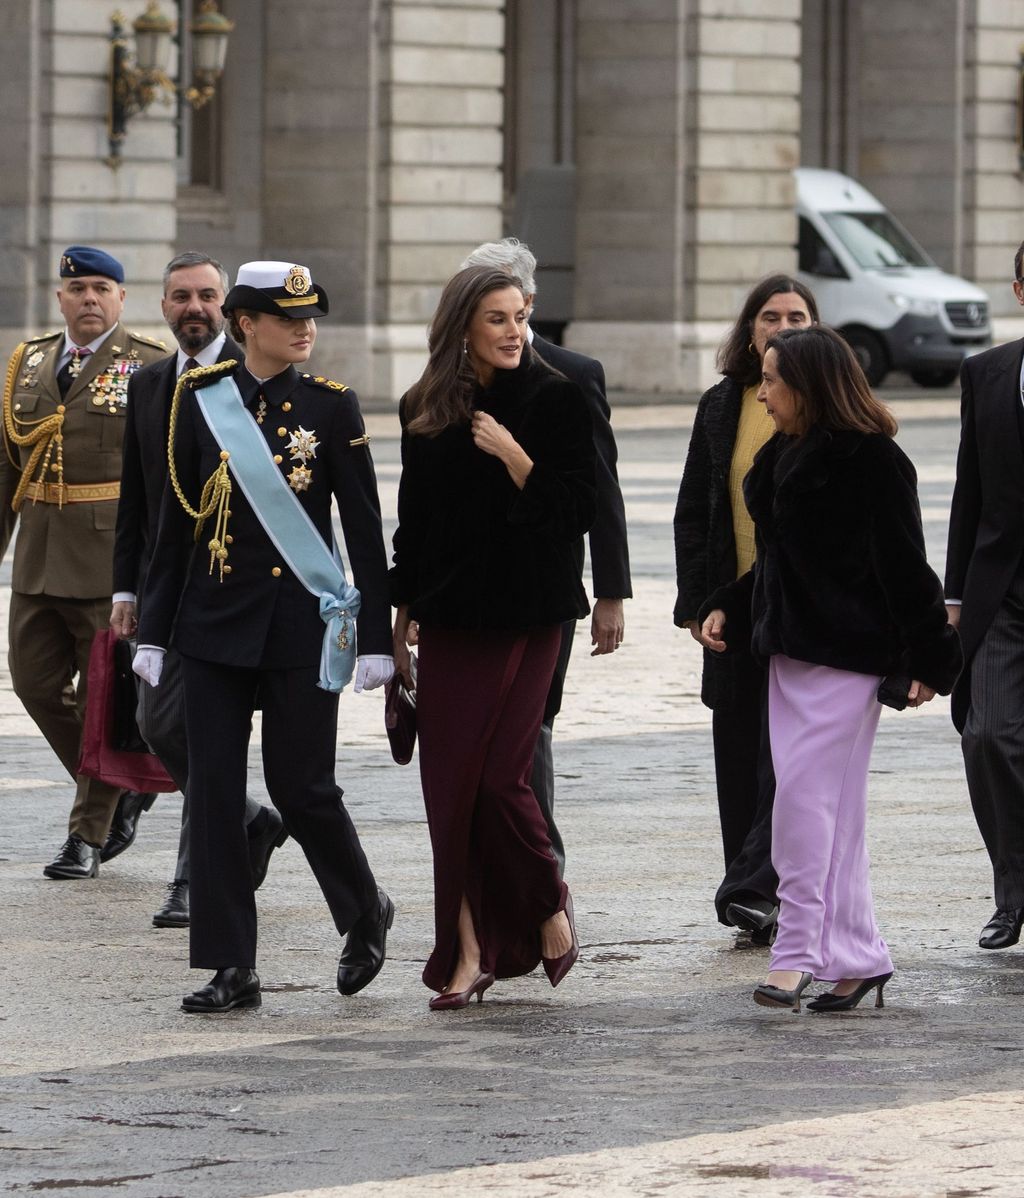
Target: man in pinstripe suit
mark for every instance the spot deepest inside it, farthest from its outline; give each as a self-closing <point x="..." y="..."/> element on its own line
<point x="985" y="600"/>
<point x="194" y="288"/>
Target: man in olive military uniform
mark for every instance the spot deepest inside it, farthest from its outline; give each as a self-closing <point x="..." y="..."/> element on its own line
<point x="63" y="420"/>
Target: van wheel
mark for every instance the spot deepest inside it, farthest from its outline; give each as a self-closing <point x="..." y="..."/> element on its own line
<point x="934" y="378"/>
<point x="870" y="353"/>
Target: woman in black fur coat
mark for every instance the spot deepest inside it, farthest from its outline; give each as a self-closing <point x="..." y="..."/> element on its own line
<point x="841" y="599"/>
<point x="497" y="487"/>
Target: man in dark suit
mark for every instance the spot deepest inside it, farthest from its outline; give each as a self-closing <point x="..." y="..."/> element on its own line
<point x="985" y="600"/>
<point x="60" y="461"/>
<point x="194" y="289"/>
<point x="609" y="551"/>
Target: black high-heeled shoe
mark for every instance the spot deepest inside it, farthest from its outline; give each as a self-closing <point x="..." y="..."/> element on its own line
<point x="772" y="996"/>
<point x="846" y="1002"/>
<point x="557" y="967"/>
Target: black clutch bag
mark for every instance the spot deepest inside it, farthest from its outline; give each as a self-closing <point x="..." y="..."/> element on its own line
<point x="400" y="719"/>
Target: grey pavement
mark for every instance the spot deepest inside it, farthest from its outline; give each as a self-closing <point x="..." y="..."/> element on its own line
<point x="649" y="1070"/>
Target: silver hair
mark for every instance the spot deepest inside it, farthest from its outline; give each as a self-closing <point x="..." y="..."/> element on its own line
<point x="194" y="258"/>
<point x="509" y="255"/>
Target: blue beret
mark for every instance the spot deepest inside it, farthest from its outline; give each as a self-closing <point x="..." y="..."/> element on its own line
<point x="84" y="260"/>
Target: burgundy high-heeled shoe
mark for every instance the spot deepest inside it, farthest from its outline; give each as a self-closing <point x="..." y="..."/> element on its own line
<point x="447" y="1001"/>
<point x="557" y="967"/>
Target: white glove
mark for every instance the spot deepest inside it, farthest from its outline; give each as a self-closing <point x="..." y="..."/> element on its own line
<point x="372" y="671"/>
<point x="148" y="663"/>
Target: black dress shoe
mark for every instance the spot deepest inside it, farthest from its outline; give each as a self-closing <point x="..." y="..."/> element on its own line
<point x="227" y="990"/>
<point x="76" y="859"/>
<point x="272" y="835"/>
<point x="754" y="915"/>
<point x="125" y="823"/>
<point x="174" y="912"/>
<point x="1003" y="929"/>
<point x="366" y="947"/>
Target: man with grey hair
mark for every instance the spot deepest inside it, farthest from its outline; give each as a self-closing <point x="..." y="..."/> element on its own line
<point x="194" y="289"/>
<point x="609" y="551"/>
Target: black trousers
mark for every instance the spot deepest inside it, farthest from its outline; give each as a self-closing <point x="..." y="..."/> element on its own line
<point x="300" y="724"/>
<point x="746" y="788"/>
<point x="542" y="776"/>
<point x="993" y="745"/>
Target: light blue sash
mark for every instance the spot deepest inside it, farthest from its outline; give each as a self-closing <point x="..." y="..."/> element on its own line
<point x="288" y="525"/>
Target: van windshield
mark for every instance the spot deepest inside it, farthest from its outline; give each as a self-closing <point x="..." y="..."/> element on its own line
<point x="875" y="240"/>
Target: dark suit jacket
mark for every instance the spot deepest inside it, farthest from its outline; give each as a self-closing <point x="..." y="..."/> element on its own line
<point x="144" y="466"/>
<point x="260" y="615"/>
<point x="609" y="550"/>
<point x="986" y="523"/>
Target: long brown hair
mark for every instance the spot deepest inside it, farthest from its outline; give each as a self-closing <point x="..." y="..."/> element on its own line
<point x="737" y="358"/>
<point x="832" y="390"/>
<point x="443" y="394"/>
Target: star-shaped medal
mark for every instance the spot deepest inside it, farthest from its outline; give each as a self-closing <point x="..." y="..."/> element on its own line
<point x="300" y="478"/>
<point x="302" y="444"/>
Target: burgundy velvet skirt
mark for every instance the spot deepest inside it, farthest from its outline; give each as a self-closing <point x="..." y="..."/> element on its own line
<point x="480" y="699"/>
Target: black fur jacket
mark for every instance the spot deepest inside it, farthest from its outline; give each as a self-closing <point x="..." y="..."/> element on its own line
<point x="473" y="552"/>
<point x="841" y="577"/>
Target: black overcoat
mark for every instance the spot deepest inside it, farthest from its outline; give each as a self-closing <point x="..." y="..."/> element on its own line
<point x="703" y="527"/>
<point x="472" y="551"/>
<point x="841" y="578"/>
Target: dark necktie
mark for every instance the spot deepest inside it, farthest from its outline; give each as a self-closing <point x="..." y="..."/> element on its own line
<point x="190" y="364"/>
<point x="71" y="369"/>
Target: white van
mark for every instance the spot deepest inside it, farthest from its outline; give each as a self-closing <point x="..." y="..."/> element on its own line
<point x="876" y="285"/>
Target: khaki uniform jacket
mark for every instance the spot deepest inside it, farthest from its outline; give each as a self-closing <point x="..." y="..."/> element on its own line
<point x="67" y="551"/>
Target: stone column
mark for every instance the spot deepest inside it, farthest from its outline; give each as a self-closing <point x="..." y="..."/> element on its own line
<point x="993" y="175"/>
<point x="687" y="133"/>
<point x="441" y="150"/>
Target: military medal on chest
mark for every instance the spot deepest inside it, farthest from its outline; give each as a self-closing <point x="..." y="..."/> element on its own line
<point x="110" y="387"/>
<point x="32" y="364"/>
<point x="302" y="446"/>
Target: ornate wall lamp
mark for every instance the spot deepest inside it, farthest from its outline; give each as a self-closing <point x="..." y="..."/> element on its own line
<point x="134" y="88"/>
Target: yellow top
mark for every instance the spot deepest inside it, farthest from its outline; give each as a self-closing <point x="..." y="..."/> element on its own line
<point x="754" y="429"/>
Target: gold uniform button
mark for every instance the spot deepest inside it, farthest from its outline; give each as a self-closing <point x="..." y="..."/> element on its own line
<point x="282" y="431"/>
<point x="17" y="407"/>
<point x="60" y="408"/>
<point x="276" y="571"/>
<point x="229" y="540"/>
<point x="286" y="406"/>
<point x="278" y="459"/>
<point x="224" y="455"/>
<point x="227" y="569"/>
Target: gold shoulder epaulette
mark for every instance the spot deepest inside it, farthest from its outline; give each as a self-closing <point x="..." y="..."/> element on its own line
<point x="44" y="337"/>
<point x="153" y="341"/>
<point x="202" y="376"/>
<point x="330" y="384"/>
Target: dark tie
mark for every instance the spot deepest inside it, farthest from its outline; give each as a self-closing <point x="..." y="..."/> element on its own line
<point x="71" y="369"/>
<point x="190" y="364"/>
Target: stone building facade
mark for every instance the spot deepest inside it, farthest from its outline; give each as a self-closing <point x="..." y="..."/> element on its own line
<point x="643" y="147"/>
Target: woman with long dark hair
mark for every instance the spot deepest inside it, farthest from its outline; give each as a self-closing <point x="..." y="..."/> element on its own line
<point x="497" y="485"/>
<point x="714" y="539"/>
<point x="844" y="608"/>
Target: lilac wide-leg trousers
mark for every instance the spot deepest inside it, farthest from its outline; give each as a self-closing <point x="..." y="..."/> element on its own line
<point x="822" y="724"/>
